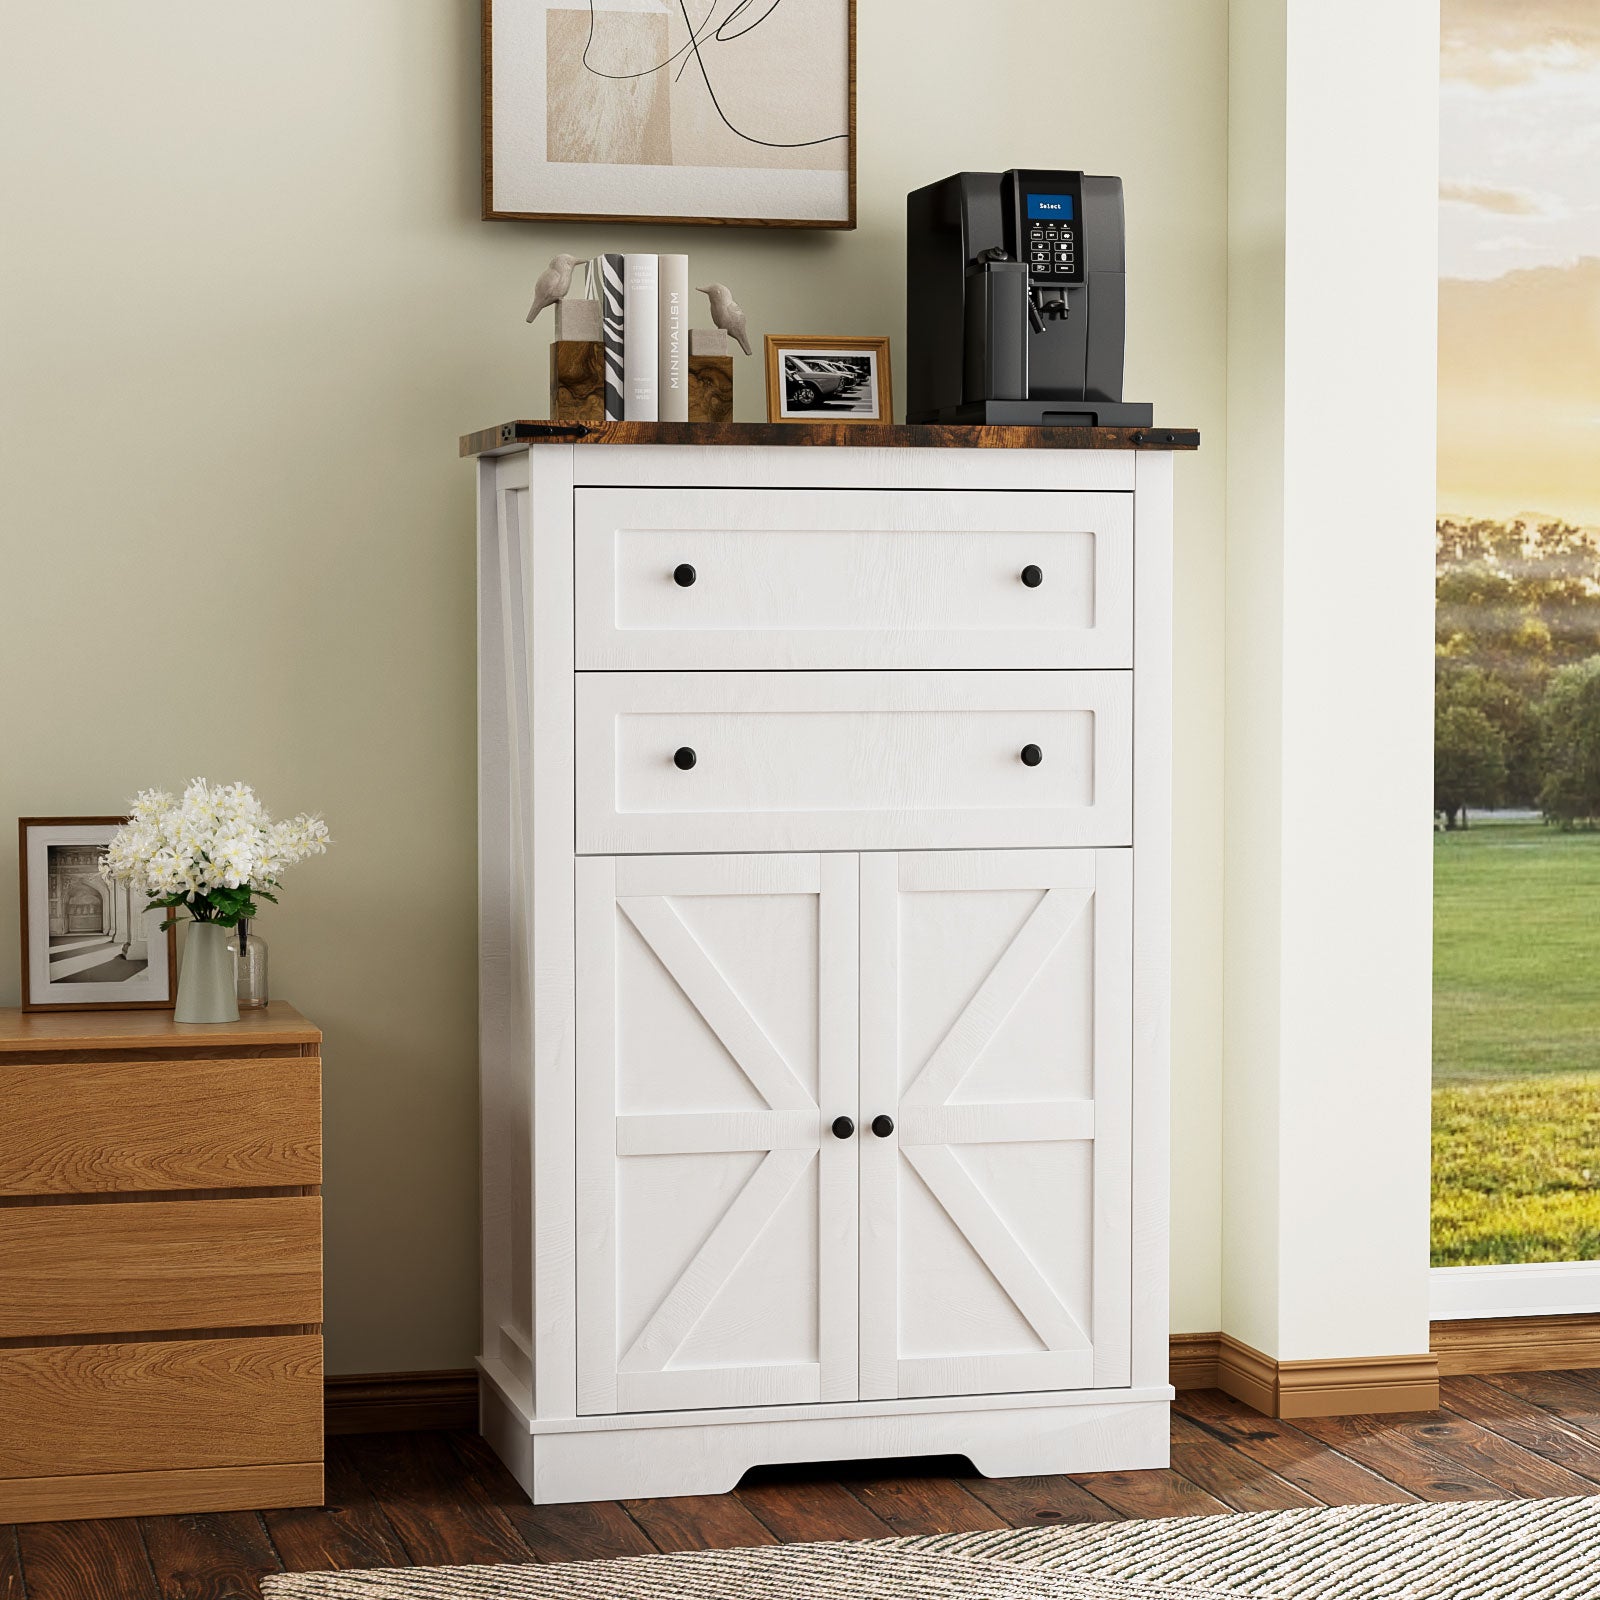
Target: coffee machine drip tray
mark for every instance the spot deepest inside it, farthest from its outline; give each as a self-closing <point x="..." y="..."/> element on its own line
<point x="1047" y="413"/>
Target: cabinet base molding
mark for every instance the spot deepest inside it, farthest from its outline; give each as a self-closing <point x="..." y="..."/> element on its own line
<point x="1333" y="1387"/>
<point x="155" y="1494"/>
<point x="650" y="1456"/>
<point x="1516" y="1344"/>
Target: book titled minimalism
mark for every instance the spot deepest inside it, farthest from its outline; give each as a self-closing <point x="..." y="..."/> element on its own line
<point x="672" y="380"/>
<point x="641" y="348"/>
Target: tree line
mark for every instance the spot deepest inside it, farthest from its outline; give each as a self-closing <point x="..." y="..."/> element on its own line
<point x="1516" y="717"/>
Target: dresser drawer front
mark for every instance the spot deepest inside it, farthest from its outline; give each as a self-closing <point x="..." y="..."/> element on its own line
<point x="91" y="1127"/>
<point x="144" y="1407"/>
<point x="145" y="1265"/>
<point x="852" y="760"/>
<point x="852" y="579"/>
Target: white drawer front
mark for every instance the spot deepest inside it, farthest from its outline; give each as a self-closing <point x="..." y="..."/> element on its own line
<point x="852" y="760"/>
<point x="852" y="578"/>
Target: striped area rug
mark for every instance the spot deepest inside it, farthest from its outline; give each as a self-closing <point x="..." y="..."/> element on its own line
<point x="1462" y="1550"/>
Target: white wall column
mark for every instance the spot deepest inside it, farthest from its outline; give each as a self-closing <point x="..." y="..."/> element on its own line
<point x="1331" y="404"/>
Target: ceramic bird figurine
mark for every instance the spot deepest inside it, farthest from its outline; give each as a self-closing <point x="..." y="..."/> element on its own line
<point x="725" y="312"/>
<point x="553" y="284"/>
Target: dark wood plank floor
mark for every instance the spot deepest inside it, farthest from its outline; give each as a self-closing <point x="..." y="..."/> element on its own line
<point x="427" y="1499"/>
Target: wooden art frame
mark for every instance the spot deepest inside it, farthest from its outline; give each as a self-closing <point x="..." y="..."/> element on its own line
<point x="161" y="968"/>
<point x="721" y="28"/>
<point x="780" y="407"/>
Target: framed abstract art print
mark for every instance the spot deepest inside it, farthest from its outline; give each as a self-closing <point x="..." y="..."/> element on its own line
<point x="739" y="112"/>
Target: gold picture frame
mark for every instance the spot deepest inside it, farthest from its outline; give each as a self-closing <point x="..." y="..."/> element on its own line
<point x="811" y="378"/>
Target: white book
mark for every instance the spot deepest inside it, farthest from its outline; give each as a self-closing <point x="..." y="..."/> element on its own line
<point x="641" y="351"/>
<point x="673" y="380"/>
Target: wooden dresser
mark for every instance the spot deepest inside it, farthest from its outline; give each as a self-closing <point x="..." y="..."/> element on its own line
<point x="160" y="1264"/>
<point x="824" y="816"/>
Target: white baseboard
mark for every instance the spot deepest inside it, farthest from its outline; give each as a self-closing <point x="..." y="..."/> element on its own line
<point x="1533" y="1289"/>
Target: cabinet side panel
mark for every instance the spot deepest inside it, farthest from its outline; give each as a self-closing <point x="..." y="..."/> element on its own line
<point x="498" y="1096"/>
<point x="514" y="1335"/>
<point x="547" y="547"/>
<point x="1152" y="913"/>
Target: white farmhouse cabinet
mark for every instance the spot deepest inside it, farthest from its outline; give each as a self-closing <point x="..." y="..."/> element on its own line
<point x="824" y="814"/>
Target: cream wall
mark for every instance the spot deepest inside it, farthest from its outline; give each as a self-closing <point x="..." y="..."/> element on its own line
<point x="246" y="306"/>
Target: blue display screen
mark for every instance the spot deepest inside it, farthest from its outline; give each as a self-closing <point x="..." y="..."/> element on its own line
<point x="1050" y="206"/>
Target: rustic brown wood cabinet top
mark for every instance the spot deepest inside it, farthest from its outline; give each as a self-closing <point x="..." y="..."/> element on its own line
<point x="161" y="1257"/>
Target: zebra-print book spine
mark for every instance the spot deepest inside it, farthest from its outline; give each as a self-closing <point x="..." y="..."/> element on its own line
<point x="611" y="333"/>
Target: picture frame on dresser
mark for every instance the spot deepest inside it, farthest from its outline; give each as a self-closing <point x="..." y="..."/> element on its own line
<point x="816" y="378"/>
<point x="86" y="945"/>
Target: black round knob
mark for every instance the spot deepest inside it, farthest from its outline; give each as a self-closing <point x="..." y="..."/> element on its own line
<point x="843" y="1127"/>
<point x="683" y="758"/>
<point x="1032" y="755"/>
<point x="1032" y="576"/>
<point x="883" y="1126"/>
<point x="683" y="575"/>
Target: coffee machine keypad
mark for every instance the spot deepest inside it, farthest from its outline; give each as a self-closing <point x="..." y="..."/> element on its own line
<point x="1052" y="249"/>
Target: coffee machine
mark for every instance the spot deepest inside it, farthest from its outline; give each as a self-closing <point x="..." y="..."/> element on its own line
<point x="1015" y="301"/>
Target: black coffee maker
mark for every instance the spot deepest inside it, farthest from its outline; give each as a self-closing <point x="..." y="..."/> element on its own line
<point x="1016" y="301"/>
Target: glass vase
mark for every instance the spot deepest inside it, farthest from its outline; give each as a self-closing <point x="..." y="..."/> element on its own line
<point x="252" y="966"/>
<point x="205" y="978"/>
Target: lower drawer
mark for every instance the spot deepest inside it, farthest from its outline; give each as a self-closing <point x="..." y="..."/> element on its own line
<point x="141" y="1265"/>
<point x="69" y="1409"/>
<point x="793" y="761"/>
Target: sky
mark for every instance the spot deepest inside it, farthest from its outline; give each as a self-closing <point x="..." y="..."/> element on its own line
<point x="1519" y="259"/>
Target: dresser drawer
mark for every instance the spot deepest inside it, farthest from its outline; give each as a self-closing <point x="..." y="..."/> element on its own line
<point x="142" y="1407"/>
<point x="852" y="579"/>
<point x="90" y="1127"/>
<point x="851" y="760"/>
<point x="143" y="1265"/>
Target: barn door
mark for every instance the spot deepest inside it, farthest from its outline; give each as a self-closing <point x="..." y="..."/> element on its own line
<point x="996" y="1040"/>
<point x="717" y="1043"/>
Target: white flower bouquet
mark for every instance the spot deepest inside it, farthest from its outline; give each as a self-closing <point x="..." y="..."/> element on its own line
<point x="213" y="853"/>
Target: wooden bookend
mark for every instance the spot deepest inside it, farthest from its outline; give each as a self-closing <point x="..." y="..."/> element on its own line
<point x="577" y="381"/>
<point x="710" y="388"/>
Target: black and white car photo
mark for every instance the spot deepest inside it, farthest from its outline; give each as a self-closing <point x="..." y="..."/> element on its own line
<point x="817" y="381"/>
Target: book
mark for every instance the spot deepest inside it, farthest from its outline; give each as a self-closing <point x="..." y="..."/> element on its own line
<point x="673" y="379"/>
<point x="611" y="333"/>
<point x="641" y="349"/>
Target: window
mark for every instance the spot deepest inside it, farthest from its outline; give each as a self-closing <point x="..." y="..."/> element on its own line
<point x="1517" y="672"/>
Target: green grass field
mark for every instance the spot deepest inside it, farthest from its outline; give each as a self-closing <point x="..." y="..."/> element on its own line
<point x="1516" y="1045"/>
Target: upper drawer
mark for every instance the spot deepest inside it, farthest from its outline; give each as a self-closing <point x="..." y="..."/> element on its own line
<point x="852" y="760"/>
<point x="852" y="578"/>
<point x="92" y="1127"/>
